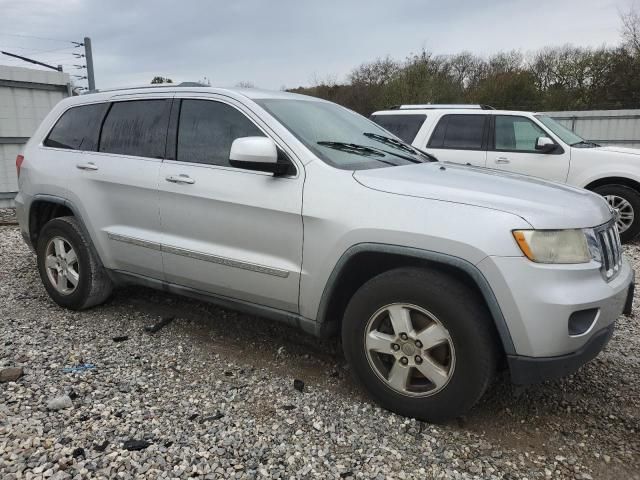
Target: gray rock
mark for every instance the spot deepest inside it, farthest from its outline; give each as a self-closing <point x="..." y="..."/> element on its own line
<point x="60" y="403"/>
<point x="11" y="374"/>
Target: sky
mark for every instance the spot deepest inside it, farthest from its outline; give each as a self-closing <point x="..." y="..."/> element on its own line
<point x="286" y="43"/>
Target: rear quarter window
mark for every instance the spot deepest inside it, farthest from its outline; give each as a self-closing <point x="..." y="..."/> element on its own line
<point x="78" y="128"/>
<point x="405" y="127"/>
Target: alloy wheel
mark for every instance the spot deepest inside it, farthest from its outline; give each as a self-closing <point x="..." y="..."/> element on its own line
<point x="625" y="214"/>
<point x="61" y="264"/>
<point x="409" y="349"/>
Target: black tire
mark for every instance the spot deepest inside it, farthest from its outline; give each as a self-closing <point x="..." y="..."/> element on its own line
<point x="633" y="197"/>
<point x="94" y="286"/>
<point x="458" y="308"/>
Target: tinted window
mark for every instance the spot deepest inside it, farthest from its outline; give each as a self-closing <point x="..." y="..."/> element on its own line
<point x="207" y="129"/>
<point x="137" y="128"/>
<point x="459" y="131"/>
<point x="516" y="134"/>
<point x="437" y="137"/>
<point x="403" y="126"/>
<point x="78" y="128"/>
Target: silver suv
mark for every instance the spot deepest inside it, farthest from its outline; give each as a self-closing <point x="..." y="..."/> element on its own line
<point x="300" y="210"/>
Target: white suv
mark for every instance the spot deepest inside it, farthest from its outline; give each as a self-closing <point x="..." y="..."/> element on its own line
<point x="523" y="142"/>
<point x="300" y="210"/>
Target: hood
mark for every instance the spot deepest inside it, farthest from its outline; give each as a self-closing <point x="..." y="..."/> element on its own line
<point x="613" y="149"/>
<point x="544" y="205"/>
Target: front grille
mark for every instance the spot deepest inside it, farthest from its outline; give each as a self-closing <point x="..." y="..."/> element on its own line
<point x="610" y="249"/>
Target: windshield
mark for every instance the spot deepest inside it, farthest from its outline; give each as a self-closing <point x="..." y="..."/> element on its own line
<point x="340" y="137"/>
<point x="566" y="135"/>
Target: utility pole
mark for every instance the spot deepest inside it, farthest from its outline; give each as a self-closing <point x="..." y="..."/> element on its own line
<point x="89" y="57"/>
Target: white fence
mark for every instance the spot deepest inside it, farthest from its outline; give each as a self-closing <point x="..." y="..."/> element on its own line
<point x="606" y="127"/>
<point x="26" y="97"/>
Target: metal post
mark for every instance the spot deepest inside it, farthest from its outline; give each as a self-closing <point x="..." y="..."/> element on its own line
<point x="89" y="57"/>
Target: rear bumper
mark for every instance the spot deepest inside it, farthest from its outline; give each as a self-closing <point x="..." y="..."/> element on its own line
<point x="21" y="215"/>
<point x="528" y="370"/>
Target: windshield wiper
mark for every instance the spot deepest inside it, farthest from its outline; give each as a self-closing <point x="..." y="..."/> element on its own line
<point x="584" y="143"/>
<point x="399" y="145"/>
<point x="353" y="148"/>
<point x="390" y="141"/>
<point x="365" y="151"/>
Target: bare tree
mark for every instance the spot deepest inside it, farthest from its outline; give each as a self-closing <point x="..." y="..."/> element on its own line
<point x="631" y="27"/>
<point x="245" y="84"/>
<point x="377" y="72"/>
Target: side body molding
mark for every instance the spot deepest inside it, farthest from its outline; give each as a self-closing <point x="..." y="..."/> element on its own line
<point x="323" y="324"/>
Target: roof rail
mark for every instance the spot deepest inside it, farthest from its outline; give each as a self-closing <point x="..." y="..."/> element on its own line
<point x="432" y="106"/>
<point x="152" y="85"/>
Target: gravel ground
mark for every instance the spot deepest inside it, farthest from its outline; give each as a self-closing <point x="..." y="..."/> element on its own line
<point x="212" y="395"/>
<point x="7" y="216"/>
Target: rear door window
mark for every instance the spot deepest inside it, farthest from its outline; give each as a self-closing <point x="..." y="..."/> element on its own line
<point x="207" y="129"/>
<point x="137" y="128"/>
<point x="459" y="131"/>
<point x="78" y="128"/>
<point x="405" y="127"/>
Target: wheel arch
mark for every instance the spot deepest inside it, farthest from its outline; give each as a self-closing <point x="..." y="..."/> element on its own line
<point x="614" y="180"/>
<point x="47" y="207"/>
<point x="366" y="260"/>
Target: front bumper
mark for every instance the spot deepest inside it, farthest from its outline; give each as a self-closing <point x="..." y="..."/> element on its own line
<point x="528" y="370"/>
<point x="537" y="302"/>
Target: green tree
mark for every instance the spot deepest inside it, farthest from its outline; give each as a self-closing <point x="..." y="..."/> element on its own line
<point x="158" y="79"/>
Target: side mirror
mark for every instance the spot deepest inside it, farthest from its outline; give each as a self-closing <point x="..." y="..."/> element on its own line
<point x="256" y="153"/>
<point x="545" y="144"/>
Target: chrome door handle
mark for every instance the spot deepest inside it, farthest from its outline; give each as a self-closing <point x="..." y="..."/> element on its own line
<point x="87" y="166"/>
<point x="180" y="179"/>
<point x="502" y="160"/>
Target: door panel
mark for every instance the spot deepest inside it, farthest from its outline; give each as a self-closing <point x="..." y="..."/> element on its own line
<point x="228" y="231"/>
<point x="130" y="152"/>
<point x="514" y="150"/>
<point x="120" y="198"/>
<point x="476" y="158"/>
<point x="233" y="233"/>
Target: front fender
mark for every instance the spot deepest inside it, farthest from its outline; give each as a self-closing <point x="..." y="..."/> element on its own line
<point x="323" y="324"/>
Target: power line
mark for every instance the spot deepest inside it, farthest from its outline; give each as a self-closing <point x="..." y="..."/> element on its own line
<point x="40" y="52"/>
<point x="33" y="36"/>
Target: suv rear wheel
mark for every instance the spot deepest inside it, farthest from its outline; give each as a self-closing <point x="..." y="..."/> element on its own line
<point x="626" y="201"/>
<point x="421" y="343"/>
<point x="69" y="270"/>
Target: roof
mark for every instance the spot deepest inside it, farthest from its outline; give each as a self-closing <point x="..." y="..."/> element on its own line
<point x="252" y="93"/>
<point x="427" y="111"/>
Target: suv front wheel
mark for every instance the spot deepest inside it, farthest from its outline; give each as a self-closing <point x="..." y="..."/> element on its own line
<point x="420" y="342"/>
<point x="69" y="270"/>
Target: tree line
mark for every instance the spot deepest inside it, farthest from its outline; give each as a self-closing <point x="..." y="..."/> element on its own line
<point x="553" y="78"/>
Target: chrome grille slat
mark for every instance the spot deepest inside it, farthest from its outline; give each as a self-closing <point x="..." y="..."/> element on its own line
<point x="612" y="242"/>
<point x="610" y="249"/>
<point x="616" y="249"/>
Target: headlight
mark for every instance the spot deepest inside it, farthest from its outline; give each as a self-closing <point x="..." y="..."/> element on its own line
<point x="558" y="246"/>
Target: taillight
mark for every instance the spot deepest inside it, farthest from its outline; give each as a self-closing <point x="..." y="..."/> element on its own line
<point x="19" y="160"/>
